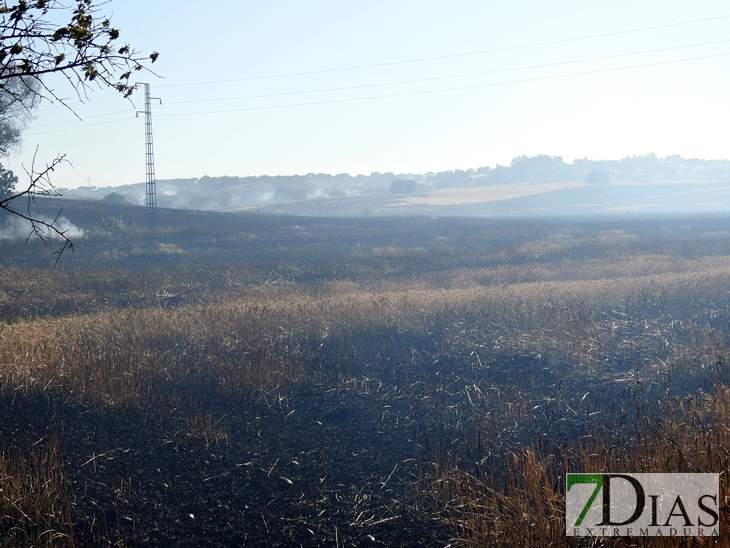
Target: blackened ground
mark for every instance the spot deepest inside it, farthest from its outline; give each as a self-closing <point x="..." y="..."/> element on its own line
<point x="273" y="471"/>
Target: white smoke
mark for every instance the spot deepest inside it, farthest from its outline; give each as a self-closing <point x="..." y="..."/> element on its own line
<point x="18" y="228"/>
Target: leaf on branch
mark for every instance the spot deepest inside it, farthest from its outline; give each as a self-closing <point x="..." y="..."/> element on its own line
<point x="18" y="12"/>
<point x="124" y="89"/>
<point x="90" y="72"/>
<point x="59" y="34"/>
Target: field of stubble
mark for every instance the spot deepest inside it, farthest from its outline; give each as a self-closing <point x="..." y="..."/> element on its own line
<point x="285" y="381"/>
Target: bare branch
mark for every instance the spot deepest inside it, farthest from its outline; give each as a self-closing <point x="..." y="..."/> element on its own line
<point x="40" y="185"/>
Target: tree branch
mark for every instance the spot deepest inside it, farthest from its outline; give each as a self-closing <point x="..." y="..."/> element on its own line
<point x="86" y="48"/>
<point x="40" y="185"/>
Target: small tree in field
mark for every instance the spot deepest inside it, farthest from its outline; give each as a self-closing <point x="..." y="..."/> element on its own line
<point x="600" y="177"/>
<point x="8" y="180"/>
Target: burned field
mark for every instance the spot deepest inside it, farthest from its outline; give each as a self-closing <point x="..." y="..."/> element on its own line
<point x="405" y="382"/>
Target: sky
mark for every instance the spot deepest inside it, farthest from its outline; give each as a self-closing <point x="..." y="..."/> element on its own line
<point x="406" y="86"/>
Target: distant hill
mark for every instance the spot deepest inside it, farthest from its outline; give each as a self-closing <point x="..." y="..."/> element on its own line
<point x="530" y="184"/>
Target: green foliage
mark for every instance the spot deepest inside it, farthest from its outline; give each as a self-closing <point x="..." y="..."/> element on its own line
<point x="8" y="180"/>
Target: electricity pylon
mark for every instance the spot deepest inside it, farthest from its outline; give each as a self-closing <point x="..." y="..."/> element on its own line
<point x="151" y="186"/>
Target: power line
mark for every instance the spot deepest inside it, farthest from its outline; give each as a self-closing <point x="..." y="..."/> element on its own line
<point x="430" y="79"/>
<point x="424" y="92"/>
<point x="404" y="94"/>
<point x="451" y="56"/>
<point x="84" y="126"/>
<point x="507" y="48"/>
<point x="84" y="119"/>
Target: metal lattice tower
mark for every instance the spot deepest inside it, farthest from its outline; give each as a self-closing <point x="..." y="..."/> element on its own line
<point x="151" y="186"/>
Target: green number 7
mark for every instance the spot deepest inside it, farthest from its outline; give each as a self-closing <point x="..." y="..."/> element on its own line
<point x="585" y="478"/>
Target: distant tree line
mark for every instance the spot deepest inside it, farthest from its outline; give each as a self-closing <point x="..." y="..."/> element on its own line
<point x="230" y="192"/>
<point x="547" y="169"/>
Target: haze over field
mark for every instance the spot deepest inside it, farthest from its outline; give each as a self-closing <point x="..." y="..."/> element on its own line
<point x="541" y="185"/>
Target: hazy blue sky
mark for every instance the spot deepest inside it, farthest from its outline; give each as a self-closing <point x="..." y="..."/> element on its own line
<point x="215" y="58"/>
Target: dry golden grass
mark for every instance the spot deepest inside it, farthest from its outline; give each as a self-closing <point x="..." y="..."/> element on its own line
<point x="205" y="428"/>
<point x="35" y="499"/>
<point x="648" y="315"/>
<point x="527" y="508"/>
<point x="252" y="339"/>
